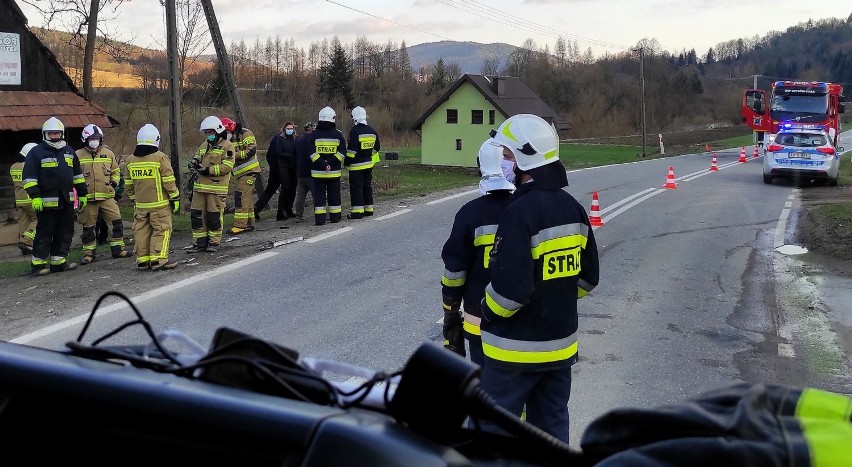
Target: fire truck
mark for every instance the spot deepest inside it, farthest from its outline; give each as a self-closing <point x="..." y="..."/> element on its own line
<point x="801" y="104"/>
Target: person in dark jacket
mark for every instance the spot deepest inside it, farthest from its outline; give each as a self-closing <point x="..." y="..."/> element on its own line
<point x="51" y="172"/>
<point x="544" y="259"/>
<point x="361" y="155"/>
<point x="466" y="252"/>
<point x="327" y="146"/>
<point x="281" y="157"/>
<point x="304" y="181"/>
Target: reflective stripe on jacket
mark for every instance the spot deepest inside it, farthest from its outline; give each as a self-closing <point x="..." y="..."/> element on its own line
<point x="150" y="181"/>
<point x="99" y="169"/>
<point x="363" y="147"/>
<point x="245" y="153"/>
<point x="220" y="159"/>
<point x="16" y="171"/>
<point x="327" y="146"/>
<point x="466" y="253"/>
<point x="51" y="174"/>
<point x="544" y="254"/>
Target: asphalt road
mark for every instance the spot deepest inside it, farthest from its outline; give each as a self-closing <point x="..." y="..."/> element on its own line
<point x="688" y="299"/>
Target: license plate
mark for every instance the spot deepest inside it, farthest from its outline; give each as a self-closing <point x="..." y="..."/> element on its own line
<point x="799" y="155"/>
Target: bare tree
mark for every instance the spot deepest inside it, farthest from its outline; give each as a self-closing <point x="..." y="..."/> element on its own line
<point x="75" y="15"/>
<point x="490" y="66"/>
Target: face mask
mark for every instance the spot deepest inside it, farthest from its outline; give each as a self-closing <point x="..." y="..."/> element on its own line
<point x="94" y="143"/>
<point x="289" y="132"/>
<point x="508" y="168"/>
<point x="211" y="138"/>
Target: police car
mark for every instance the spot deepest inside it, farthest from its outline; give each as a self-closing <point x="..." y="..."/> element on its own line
<point x="803" y="154"/>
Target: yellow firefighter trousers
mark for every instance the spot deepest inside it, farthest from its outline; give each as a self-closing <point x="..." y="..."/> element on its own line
<point x="244" y="201"/>
<point x="88" y="217"/>
<point x="26" y="225"/>
<point x="153" y="232"/>
<point x="206" y="213"/>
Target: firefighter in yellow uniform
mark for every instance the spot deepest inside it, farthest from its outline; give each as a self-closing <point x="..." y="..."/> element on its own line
<point x="246" y="171"/>
<point x="27" y="219"/>
<point x="214" y="162"/>
<point x="150" y="184"/>
<point x="102" y="173"/>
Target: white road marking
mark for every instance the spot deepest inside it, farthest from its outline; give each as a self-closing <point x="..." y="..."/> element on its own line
<point x="780" y="228"/>
<point x="447" y="198"/>
<point x="609" y="217"/>
<point x="27" y="338"/>
<point x="625" y="200"/>
<point x="393" y="214"/>
<point x="328" y="235"/>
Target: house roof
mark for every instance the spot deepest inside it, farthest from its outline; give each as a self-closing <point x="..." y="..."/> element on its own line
<point x="27" y="110"/>
<point x="517" y="98"/>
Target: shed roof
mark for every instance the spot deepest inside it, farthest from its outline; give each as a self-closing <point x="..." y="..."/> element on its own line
<point x="27" y="110"/>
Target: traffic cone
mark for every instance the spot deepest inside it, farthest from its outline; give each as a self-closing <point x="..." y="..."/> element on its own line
<point x="714" y="167"/>
<point x="754" y="154"/>
<point x="670" y="180"/>
<point x="742" y="155"/>
<point x="595" y="216"/>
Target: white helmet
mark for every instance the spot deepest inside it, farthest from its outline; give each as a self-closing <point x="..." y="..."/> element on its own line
<point x="531" y="139"/>
<point x="327" y="114"/>
<point x="148" y="135"/>
<point x="359" y="114"/>
<point x="489" y="158"/>
<point x="92" y="131"/>
<point x="26" y="149"/>
<point x="52" y="124"/>
<point x="212" y="123"/>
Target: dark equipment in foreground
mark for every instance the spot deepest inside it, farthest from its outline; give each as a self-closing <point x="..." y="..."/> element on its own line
<point x="246" y="401"/>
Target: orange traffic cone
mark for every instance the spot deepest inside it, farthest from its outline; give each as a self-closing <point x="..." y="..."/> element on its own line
<point x="595" y="216"/>
<point x="714" y="167"/>
<point x="742" y="156"/>
<point x="754" y="154"/>
<point x="670" y="180"/>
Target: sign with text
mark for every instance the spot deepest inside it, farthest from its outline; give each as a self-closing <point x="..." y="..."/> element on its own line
<point x="10" y="58"/>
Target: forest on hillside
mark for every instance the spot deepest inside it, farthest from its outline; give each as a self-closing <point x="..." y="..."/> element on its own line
<point x="597" y="95"/>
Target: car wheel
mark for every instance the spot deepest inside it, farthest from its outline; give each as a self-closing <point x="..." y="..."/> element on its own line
<point x="832" y="181"/>
<point x="767" y="179"/>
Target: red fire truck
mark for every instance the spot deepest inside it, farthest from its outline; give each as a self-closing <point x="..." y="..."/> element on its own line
<point x="798" y="103"/>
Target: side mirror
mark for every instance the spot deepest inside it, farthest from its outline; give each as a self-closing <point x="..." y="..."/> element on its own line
<point x="841" y="108"/>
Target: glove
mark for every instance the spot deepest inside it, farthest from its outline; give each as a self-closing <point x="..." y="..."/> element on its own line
<point x="83" y="201"/>
<point x="204" y="171"/>
<point x="453" y="332"/>
<point x="194" y="164"/>
<point x="38" y="204"/>
<point x="113" y="184"/>
<point x="175" y="205"/>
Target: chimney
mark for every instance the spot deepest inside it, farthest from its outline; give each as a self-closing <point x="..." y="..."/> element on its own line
<point x="499" y="86"/>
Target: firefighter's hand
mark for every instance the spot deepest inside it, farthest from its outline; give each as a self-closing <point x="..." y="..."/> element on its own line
<point x="453" y="332"/>
<point x="83" y="201"/>
<point x="38" y="204"/>
<point x="204" y="170"/>
<point x="194" y="164"/>
<point x="175" y="205"/>
<point x="113" y="184"/>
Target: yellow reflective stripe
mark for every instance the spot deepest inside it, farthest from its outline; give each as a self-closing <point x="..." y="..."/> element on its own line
<point x="30" y="184"/>
<point x="23" y="202"/>
<point x="253" y="164"/>
<point x="584" y="288"/>
<point x="484" y="240"/>
<point x="314" y="157"/>
<point x="453" y="279"/>
<point x="825" y="421"/>
<point x="470" y="328"/>
<point x="324" y="174"/>
<point x="228" y="162"/>
<point x="39" y="262"/>
<point x="164" y="250"/>
<point x="562" y="237"/>
<point x="471" y="323"/>
<point x="361" y="166"/>
<point x="168" y="178"/>
<point x="213" y="188"/>
<point x="581" y="292"/>
<point x="116" y="243"/>
<point x="153" y="204"/>
<point x="339" y="156"/>
<point x="335" y="209"/>
<point x="128" y="182"/>
<point x="500" y="305"/>
<point x="814" y="403"/>
<point x="49" y="164"/>
<point x="320" y="210"/>
<point x="518" y="351"/>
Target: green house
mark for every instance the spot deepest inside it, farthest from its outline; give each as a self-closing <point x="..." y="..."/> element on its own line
<point x="454" y="127"/>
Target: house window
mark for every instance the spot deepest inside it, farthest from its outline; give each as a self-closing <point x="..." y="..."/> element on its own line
<point x="491" y="117"/>
<point x="476" y="117"/>
<point x="452" y="116"/>
<point x="458" y="144"/>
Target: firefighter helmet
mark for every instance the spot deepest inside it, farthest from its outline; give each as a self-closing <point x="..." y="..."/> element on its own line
<point x="327" y="115"/>
<point x="489" y="159"/>
<point x="229" y="124"/>
<point x="148" y="135"/>
<point x="52" y="124"/>
<point x="359" y="114"/>
<point x="531" y="139"/>
<point x="26" y="149"/>
<point x="212" y="123"/>
<point x="91" y="131"/>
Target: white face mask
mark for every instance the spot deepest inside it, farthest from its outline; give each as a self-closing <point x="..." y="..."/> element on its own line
<point x="94" y="143"/>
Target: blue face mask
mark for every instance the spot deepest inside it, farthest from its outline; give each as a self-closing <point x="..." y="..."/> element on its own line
<point x="288" y="132"/>
<point x="211" y="138"/>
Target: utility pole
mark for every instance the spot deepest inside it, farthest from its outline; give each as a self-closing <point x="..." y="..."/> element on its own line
<point x="641" y="51"/>
<point x="224" y="62"/>
<point x="174" y="88"/>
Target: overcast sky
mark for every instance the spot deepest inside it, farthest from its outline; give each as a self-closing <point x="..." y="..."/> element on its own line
<point x="605" y="25"/>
